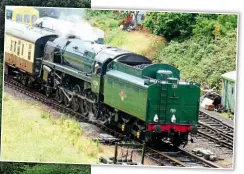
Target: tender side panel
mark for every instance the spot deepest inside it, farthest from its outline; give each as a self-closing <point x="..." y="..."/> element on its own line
<point x="19" y="53"/>
<point x="125" y="95"/>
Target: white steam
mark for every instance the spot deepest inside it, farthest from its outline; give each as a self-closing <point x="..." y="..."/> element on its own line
<point x="71" y="22"/>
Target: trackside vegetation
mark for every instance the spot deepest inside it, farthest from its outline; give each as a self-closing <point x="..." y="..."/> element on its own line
<point x="32" y="134"/>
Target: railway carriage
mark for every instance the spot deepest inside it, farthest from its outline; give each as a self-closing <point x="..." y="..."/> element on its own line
<point x="113" y="86"/>
<point x="24" y="47"/>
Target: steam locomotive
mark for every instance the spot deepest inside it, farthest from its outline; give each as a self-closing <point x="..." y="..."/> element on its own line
<point x="109" y="84"/>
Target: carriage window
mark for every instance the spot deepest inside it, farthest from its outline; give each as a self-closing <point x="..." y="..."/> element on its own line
<point x="18" y="49"/>
<point x="26" y="18"/>
<point x="33" y="18"/>
<point x="9" y="15"/>
<point x="11" y="46"/>
<point x="29" y="52"/>
<point x="19" y="18"/>
<point x="22" y="53"/>
<point x="15" y="43"/>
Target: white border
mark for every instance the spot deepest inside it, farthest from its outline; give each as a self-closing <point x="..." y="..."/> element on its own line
<point x="140" y="5"/>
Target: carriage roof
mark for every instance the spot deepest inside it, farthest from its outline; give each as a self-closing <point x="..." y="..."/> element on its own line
<point x="25" y="32"/>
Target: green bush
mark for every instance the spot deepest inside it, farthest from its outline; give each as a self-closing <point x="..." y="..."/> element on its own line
<point x="202" y="59"/>
<point x="30" y="168"/>
<point x="215" y="26"/>
<point x="171" y="25"/>
<point x="57" y="169"/>
<point x="11" y="168"/>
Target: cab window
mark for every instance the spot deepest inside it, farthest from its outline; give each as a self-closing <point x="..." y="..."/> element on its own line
<point x="19" y="18"/>
<point x="27" y="18"/>
<point x="33" y="18"/>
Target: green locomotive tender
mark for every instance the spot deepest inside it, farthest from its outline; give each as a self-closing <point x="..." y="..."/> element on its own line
<point x="118" y="87"/>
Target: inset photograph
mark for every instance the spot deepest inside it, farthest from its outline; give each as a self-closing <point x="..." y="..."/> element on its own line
<point x="119" y="87"/>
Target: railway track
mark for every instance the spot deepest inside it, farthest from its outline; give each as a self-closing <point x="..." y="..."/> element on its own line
<point x="215" y="130"/>
<point x="180" y="158"/>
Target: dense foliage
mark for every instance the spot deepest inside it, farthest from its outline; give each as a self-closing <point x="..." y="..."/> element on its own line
<point x="46" y="3"/>
<point x="182" y="26"/>
<point x="214" y="26"/>
<point x="29" y="168"/>
<point x="170" y="25"/>
<point x="202" y="46"/>
<point x="202" y="60"/>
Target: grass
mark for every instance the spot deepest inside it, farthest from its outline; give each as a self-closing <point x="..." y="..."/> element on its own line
<point x="30" y="133"/>
<point x="227" y="115"/>
<point x="138" y="42"/>
<point x="141" y="42"/>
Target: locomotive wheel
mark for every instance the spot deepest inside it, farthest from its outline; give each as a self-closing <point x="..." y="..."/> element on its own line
<point x="75" y="104"/>
<point x="76" y="100"/>
<point x="59" y="96"/>
<point x="83" y="104"/>
<point x="84" y="107"/>
<point x="107" y="116"/>
<point x="176" y="141"/>
<point x="87" y="107"/>
<point x="94" y="107"/>
<point x="67" y="103"/>
<point x="48" y="92"/>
